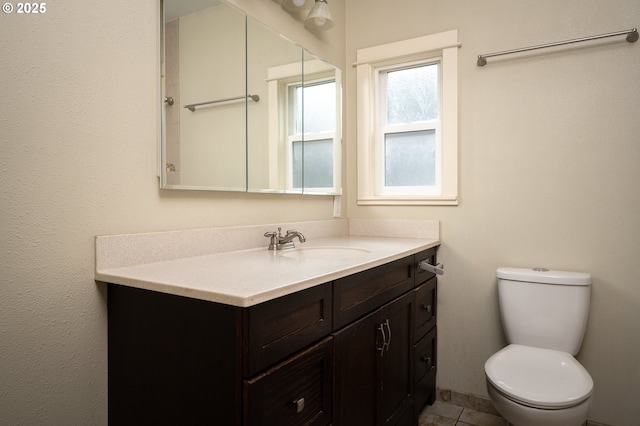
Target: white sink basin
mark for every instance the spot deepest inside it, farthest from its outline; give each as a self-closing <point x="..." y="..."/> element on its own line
<point x="324" y="253"/>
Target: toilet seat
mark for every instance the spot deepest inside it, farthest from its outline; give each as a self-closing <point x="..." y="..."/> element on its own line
<point x="539" y="378"/>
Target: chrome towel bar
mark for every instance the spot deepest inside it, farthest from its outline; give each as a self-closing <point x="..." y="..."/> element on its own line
<point x="192" y="107"/>
<point x="434" y="269"/>
<point x="632" y="36"/>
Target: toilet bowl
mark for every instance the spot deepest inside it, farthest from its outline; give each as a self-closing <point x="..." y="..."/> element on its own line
<point x="538" y="387"/>
<point x="535" y="380"/>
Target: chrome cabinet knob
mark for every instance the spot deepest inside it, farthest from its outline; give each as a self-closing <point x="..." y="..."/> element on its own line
<point x="428" y="360"/>
<point x="299" y="403"/>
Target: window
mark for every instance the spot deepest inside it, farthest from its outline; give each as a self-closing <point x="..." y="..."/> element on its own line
<point x="407" y="122"/>
<point x="409" y="129"/>
<point x="311" y="161"/>
<point x="305" y="127"/>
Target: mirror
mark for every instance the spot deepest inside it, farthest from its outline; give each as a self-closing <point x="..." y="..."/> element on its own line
<point x="245" y="109"/>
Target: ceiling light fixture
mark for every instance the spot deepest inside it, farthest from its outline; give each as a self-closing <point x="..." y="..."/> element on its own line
<point x="320" y="17"/>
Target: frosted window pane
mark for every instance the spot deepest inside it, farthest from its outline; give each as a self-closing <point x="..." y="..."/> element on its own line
<point x="412" y="94"/>
<point x="319" y="108"/>
<point x="410" y="158"/>
<point x="318" y="164"/>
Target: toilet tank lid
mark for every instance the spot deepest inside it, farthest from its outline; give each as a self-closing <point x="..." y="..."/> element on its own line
<point x="543" y="275"/>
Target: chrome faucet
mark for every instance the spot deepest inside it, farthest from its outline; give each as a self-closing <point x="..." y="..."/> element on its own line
<point x="278" y="242"/>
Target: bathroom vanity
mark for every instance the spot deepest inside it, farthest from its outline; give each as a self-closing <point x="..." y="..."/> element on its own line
<point x="350" y="348"/>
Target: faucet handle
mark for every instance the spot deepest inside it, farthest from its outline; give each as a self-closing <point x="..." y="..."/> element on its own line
<point x="273" y="236"/>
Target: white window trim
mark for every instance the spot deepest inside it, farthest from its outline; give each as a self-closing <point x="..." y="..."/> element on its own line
<point x="280" y="79"/>
<point x="444" y="45"/>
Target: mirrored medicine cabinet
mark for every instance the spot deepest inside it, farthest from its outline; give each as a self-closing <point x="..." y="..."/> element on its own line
<point x="244" y="108"/>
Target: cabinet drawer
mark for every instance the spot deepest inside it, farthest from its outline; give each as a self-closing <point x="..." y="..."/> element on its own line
<point x="425" y="351"/>
<point x="425" y="308"/>
<point x="280" y="327"/>
<point x="297" y="391"/>
<point x="361" y="293"/>
<point x="430" y="256"/>
<point x="425" y="369"/>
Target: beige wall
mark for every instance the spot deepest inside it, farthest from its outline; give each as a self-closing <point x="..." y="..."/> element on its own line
<point x="549" y="175"/>
<point x="78" y="132"/>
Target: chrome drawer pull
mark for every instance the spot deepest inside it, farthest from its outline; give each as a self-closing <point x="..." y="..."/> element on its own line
<point x="384" y="340"/>
<point x="386" y="323"/>
<point x="299" y="403"/>
<point x="426" y="308"/>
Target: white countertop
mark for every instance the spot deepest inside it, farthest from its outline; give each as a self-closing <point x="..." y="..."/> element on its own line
<point x="248" y="277"/>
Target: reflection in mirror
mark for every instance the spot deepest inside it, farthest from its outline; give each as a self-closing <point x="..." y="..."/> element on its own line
<point x="304" y="145"/>
<point x="251" y="110"/>
<point x="266" y="51"/>
<point x="204" y="62"/>
<point x="317" y="157"/>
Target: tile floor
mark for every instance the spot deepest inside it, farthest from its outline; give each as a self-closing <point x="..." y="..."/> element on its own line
<point x="443" y="413"/>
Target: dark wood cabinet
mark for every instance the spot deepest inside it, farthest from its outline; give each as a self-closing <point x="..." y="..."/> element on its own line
<point x="425" y="371"/>
<point x="295" y="392"/>
<point x="356" y="372"/>
<point x="172" y="360"/>
<point x="361" y="293"/>
<point x="278" y="328"/>
<point x="396" y="386"/>
<point x="425" y="308"/>
<point x="425" y="335"/>
<point x="373" y="365"/>
<point x="360" y="350"/>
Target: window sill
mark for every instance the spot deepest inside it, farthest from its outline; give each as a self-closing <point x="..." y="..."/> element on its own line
<point x="408" y="201"/>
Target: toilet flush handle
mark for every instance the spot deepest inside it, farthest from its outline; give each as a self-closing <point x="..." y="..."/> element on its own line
<point x="434" y="269"/>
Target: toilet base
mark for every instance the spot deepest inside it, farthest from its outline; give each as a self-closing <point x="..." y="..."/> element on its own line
<point x="521" y="415"/>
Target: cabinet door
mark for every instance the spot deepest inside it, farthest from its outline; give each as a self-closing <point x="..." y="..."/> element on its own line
<point x="374" y="369"/>
<point x="396" y="386"/>
<point x="356" y="371"/>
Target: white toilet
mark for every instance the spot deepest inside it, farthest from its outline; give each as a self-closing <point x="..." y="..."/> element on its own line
<point x="535" y="380"/>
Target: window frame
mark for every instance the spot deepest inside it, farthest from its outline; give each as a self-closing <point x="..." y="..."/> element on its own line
<point x="371" y="61"/>
<point x="293" y="136"/>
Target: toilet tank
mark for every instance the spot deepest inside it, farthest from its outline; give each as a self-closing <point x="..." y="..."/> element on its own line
<point x="544" y="308"/>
